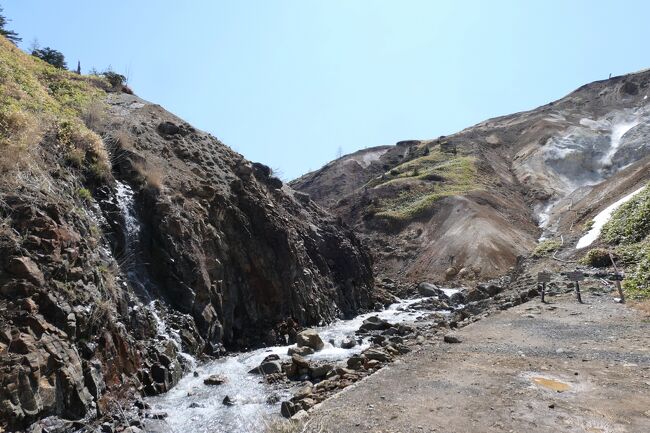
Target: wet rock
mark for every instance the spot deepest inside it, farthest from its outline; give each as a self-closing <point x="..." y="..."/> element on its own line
<point x="302" y="351"/>
<point x="348" y="343"/>
<point x="452" y="338"/>
<point x="428" y="289"/>
<point x="215" y="379"/>
<point x="374" y="323"/>
<point x="268" y="367"/>
<point x="288" y="409"/>
<point x="228" y="401"/>
<point x="299" y="361"/>
<point x="194" y="405"/>
<point x="457" y="298"/>
<point x="355" y="362"/>
<point x="320" y="371"/>
<point x="310" y="338"/>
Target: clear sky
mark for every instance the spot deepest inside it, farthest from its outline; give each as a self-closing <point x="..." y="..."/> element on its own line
<point x="288" y="82"/>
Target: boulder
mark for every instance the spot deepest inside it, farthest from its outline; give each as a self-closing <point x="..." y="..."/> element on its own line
<point x="348" y="343"/>
<point x="452" y="338"/>
<point x="299" y="361"/>
<point x="320" y="371"/>
<point x="355" y="362"/>
<point x="377" y="354"/>
<point x="374" y="323"/>
<point x="310" y="338"/>
<point x="215" y="379"/>
<point x="428" y="289"/>
<point x="457" y="298"/>
<point x="302" y="351"/>
<point x="268" y="367"/>
<point x="288" y="409"/>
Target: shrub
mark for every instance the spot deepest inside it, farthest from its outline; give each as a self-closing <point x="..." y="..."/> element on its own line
<point x="545" y="248"/>
<point x="116" y="80"/>
<point x="84" y="194"/>
<point x="637" y="282"/>
<point x="597" y="257"/>
<point x="76" y="157"/>
<point x="93" y="114"/>
<point x="631" y="222"/>
<point x="51" y="56"/>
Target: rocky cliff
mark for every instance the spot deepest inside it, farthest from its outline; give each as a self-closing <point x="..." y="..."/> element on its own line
<point x="130" y="243"/>
<point x="466" y="206"/>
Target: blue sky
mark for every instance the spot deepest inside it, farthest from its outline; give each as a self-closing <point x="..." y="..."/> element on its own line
<point x="288" y="82"/>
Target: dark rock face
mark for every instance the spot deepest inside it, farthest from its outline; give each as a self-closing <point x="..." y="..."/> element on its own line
<point x="229" y="244"/>
<point x="227" y="252"/>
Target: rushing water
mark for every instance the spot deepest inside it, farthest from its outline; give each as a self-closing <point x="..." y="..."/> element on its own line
<point x="194" y="407"/>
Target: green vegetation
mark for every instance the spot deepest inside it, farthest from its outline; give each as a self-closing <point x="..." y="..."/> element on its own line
<point x="629" y="229"/>
<point x="597" y="257"/>
<point x="84" y="194"/>
<point x="422" y="181"/>
<point x="9" y="34"/>
<point x="51" y="56"/>
<point x="587" y="225"/>
<point x="631" y="222"/>
<point x="37" y="99"/>
<point x="546" y="248"/>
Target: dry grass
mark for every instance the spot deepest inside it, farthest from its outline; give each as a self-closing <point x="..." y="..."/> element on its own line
<point x="94" y="114"/>
<point x="36" y="98"/>
<point x="151" y="174"/>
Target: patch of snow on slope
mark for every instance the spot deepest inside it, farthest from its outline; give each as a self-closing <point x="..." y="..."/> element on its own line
<point x="601" y="219"/>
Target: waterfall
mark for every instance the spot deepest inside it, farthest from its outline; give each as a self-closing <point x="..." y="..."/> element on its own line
<point x="136" y="271"/>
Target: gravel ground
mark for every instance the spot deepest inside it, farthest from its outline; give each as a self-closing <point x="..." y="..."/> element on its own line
<point x="560" y="366"/>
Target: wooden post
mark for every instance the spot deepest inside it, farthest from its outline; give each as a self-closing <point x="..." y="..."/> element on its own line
<point x="543" y="277"/>
<point x="617" y="278"/>
<point x="576" y="277"/>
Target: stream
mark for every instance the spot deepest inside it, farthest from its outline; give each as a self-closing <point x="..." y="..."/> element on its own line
<point x="192" y="406"/>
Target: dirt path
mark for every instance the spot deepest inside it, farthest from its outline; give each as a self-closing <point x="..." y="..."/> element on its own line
<point x="507" y="374"/>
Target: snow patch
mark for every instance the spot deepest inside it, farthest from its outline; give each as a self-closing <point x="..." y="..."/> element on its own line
<point x="601" y="219"/>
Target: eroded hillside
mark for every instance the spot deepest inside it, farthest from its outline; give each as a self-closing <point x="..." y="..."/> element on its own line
<point x="467" y="205"/>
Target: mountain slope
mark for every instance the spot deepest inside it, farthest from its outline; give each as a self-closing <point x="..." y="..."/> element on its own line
<point x="467" y="205"/>
<point x="131" y="242"/>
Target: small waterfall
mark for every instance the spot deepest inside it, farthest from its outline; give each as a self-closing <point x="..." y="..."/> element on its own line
<point x="136" y="271"/>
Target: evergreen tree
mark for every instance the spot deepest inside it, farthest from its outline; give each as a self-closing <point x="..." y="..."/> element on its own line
<point x="51" y="56"/>
<point x="9" y="34"/>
